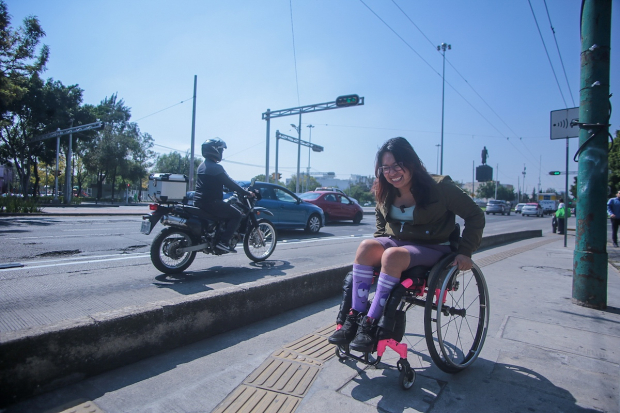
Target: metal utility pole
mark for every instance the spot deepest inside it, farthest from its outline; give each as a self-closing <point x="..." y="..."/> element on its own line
<point x="437" y="168"/>
<point x="69" y="170"/>
<point x="309" y="140"/>
<point x="299" y="142"/>
<point x="57" y="134"/>
<point x="524" y="190"/>
<point x="442" y="47"/>
<point x="191" y="158"/>
<point x="298" y="129"/>
<point x="340" y="102"/>
<point x="590" y="257"/>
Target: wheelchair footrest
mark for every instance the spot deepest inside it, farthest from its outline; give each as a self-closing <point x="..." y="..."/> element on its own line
<point x="400" y="348"/>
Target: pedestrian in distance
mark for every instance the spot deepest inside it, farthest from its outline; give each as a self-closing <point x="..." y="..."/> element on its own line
<point x="415" y="218"/>
<point x="561" y="214"/>
<point x="613" y="210"/>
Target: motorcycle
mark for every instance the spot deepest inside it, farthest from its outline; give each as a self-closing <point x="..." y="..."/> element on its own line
<point x="190" y="229"/>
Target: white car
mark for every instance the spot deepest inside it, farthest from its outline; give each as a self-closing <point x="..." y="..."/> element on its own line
<point x="532" y="209"/>
<point x="519" y="207"/>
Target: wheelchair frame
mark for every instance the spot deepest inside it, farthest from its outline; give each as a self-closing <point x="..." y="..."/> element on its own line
<point x="453" y="342"/>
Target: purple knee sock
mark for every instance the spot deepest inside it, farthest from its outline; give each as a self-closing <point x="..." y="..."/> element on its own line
<point x="385" y="284"/>
<point x="362" y="279"/>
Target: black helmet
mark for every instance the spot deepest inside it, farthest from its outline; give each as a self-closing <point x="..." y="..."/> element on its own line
<point x="213" y="149"/>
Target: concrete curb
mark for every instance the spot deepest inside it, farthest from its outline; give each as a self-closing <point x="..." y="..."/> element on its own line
<point x="41" y="359"/>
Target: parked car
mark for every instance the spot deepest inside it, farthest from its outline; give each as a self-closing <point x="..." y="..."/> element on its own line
<point x="333" y="189"/>
<point x="519" y="207"/>
<point x="335" y="205"/>
<point x="532" y="208"/>
<point x="498" y="207"/>
<point x="290" y="211"/>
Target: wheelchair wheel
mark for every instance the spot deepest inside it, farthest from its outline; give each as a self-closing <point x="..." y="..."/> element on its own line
<point x="406" y="378"/>
<point x="455" y="328"/>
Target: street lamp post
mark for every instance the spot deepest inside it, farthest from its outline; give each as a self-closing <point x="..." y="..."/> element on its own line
<point x="298" y="129"/>
<point x="309" y="147"/>
<point x="442" y="47"/>
<point x="437" y="168"/>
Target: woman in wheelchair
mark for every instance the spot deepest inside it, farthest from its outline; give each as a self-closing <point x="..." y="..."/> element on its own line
<point x="415" y="217"/>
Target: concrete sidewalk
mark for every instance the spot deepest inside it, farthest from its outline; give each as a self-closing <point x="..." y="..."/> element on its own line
<point x="542" y="354"/>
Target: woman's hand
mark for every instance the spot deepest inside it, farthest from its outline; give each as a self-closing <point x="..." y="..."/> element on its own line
<point x="462" y="262"/>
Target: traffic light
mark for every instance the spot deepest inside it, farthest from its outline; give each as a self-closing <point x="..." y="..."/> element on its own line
<point x="347" y="100"/>
<point x="555" y="173"/>
<point x="276" y="178"/>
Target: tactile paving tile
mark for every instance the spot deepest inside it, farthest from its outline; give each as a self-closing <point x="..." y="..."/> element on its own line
<point x="327" y="331"/>
<point x="291" y="355"/>
<point x="492" y="259"/>
<point x="247" y="399"/>
<point x="313" y="346"/>
<point x="283" y="376"/>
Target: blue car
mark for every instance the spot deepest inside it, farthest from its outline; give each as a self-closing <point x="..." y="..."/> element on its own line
<point x="290" y="212"/>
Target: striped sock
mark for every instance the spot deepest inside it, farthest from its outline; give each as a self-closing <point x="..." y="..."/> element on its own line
<point x="384" y="286"/>
<point x="362" y="279"/>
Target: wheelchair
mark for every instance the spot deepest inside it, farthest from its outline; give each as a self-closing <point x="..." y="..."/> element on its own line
<point x="456" y="317"/>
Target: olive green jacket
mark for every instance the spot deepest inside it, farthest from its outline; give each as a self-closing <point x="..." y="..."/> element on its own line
<point x="434" y="223"/>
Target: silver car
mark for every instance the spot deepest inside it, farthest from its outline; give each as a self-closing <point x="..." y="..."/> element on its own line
<point x="497" y="207"/>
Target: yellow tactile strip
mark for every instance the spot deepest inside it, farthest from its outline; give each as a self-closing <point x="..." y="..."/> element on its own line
<point x="279" y="384"/>
<point x="251" y="399"/>
<point x="284" y="376"/>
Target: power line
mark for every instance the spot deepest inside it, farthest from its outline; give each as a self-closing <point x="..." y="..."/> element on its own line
<point x="449" y="84"/>
<point x="294" y="51"/>
<point x="559" y="54"/>
<point x="176" y="104"/>
<point x="548" y="57"/>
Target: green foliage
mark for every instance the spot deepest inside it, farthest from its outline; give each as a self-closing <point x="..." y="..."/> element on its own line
<point x="614" y="166"/>
<point x="311" y="184"/>
<point x="487" y="190"/>
<point x="18" y="205"/>
<point x="174" y="163"/>
<point x="361" y="192"/>
<point x="19" y="59"/>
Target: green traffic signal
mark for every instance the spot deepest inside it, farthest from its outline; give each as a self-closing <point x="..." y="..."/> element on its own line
<point x="347" y="100"/>
<point x="555" y="173"/>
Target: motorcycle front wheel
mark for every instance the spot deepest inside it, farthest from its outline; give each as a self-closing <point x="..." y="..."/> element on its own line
<point x="260" y="242"/>
<point x="164" y="254"/>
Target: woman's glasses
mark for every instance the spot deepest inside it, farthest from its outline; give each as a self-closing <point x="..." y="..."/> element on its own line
<point x="397" y="167"/>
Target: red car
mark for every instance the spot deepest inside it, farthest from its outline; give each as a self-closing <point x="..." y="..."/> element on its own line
<point x="335" y="205"/>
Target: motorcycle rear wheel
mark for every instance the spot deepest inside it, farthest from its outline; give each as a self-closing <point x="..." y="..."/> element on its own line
<point x="253" y="247"/>
<point x="164" y="255"/>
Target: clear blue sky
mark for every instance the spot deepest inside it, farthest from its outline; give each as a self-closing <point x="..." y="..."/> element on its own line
<point x="499" y="89"/>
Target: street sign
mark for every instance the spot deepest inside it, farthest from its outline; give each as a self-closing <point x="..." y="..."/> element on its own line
<point x="561" y="127"/>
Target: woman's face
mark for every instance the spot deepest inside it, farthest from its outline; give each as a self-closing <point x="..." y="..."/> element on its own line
<point x="394" y="173"/>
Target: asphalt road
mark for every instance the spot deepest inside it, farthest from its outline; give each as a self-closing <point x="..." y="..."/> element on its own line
<point x="71" y="267"/>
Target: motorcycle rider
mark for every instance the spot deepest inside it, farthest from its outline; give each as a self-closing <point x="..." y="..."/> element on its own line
<point x="210" y="180"/>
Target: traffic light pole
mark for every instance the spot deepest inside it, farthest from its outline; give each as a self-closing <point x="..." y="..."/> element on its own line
<point x="340" y="102"/>
<point x="590" y="257"/>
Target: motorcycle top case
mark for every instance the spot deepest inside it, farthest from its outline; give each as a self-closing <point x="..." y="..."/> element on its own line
<point x="166" y="187"/>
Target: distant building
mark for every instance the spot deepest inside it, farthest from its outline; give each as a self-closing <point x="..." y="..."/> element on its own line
<point x="6" y="177"/>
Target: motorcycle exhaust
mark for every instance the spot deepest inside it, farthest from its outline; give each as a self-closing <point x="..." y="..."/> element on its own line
<point x="174" y="221"/>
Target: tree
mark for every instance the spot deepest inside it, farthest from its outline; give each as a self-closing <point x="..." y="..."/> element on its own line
<point x="45" y="107"/>
<point x="110" y="147"/>
<point x="361" y="192"/>
<point x="175" y="163"/>
<point x="487" y="190"/>
<point x="614" y="165"/>
<point x="19" y="59"/>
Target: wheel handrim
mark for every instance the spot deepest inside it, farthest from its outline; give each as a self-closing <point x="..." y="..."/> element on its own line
<point x="461" y="337"/>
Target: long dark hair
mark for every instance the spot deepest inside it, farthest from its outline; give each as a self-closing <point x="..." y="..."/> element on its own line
<point x="421" y="181"/>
